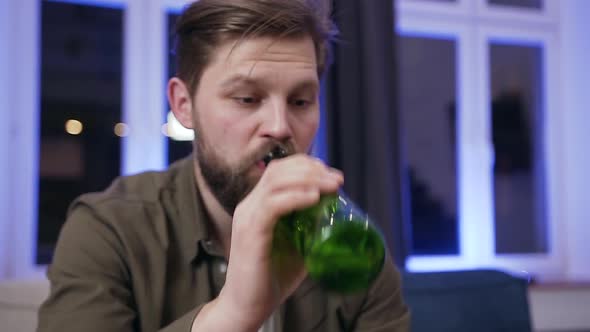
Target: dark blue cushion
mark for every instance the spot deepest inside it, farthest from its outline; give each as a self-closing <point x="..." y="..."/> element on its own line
<point x="470" y="301"/>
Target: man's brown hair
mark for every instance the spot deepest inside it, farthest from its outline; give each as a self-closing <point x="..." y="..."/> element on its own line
<point x="206" y="23"/>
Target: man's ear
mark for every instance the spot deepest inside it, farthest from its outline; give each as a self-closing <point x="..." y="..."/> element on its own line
<point x="180" y="102"/>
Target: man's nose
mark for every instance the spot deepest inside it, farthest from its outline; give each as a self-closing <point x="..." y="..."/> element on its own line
<point x="276" y="121"/>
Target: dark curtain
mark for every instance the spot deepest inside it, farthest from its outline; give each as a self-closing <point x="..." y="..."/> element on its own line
<point x="362" y="122"/>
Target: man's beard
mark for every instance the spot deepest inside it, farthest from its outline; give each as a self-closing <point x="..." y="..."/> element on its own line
<point x="231" y="184"/>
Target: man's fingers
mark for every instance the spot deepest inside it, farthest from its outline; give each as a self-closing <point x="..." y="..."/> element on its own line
<point x="297" y="171"/>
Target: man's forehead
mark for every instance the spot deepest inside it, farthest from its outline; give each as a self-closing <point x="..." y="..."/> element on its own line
<point x="295" y="51"/>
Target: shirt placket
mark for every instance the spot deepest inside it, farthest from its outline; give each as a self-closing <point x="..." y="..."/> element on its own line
<point x="217" y="264"/>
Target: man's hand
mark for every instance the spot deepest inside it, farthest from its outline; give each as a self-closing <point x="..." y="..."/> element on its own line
<point x="255" y="287"/>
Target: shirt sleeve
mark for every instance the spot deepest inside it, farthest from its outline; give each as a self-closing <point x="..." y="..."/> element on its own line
<point x="184" y="323"/>
<point x="384" y="309"/>
<point x="90" y="282"/>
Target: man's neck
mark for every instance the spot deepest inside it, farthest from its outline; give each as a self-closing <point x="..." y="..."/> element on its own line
<point x="221" y="221"/>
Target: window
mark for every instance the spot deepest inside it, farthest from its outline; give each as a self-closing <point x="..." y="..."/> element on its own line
<point x="517" y="126"/>
<point x="79" y="151"/>
<point x="505" y="56"/>
<point x="427" y="68"/>
<point x="101" y="50"/>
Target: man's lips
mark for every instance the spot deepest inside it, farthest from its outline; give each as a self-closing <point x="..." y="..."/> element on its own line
<point x="276" y="153"/>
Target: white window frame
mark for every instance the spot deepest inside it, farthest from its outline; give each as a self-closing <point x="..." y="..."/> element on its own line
<point x="469" y="250"/>
<point x="473" y="24"/>
<point x="19" y="82"/>
<point x="145" y="65"/>
<point x="551" y="264"/>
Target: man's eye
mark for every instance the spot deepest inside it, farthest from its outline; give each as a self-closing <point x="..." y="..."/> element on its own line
<point x="248" y="100"/>
<point x="301" y="102"/>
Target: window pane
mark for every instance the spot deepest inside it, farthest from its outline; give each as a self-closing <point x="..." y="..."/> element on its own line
<point x="427" y="104"/>
<point x="81" y="63"/>
<point x="534" y="4"/>
<point x="177" y="149"/>
<point x="517" y="134"/>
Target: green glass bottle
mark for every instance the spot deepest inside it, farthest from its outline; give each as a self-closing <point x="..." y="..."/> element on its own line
<point x="341" y="248"/>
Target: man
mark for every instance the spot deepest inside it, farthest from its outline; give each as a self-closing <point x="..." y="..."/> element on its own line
<point x="188" y="249"/>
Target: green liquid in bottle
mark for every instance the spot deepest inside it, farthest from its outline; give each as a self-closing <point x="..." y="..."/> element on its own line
<point x="347" y="257"/>
<point x="342" y="255"/>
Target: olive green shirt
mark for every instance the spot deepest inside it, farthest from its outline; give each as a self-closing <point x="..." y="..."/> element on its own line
<point x="138" y="257"/>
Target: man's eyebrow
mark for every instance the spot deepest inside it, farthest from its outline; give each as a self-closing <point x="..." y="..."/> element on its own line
<point x="309" y="84"/>
<point x="240" y="79"/>
<point x="237" y="80"/>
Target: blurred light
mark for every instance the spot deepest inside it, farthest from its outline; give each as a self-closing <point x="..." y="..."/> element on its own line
<point x="175" y="130"/>
<point x="74" y="127"/>
<point x="121" y="129"/>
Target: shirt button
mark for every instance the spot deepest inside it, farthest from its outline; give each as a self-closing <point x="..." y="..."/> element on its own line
<point x="223" y="267"/>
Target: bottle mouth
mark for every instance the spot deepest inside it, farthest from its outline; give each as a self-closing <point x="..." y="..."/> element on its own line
<point x="277" y="152"/>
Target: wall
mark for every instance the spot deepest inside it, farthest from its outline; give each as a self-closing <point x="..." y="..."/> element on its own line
<point x="576" y="121"/>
